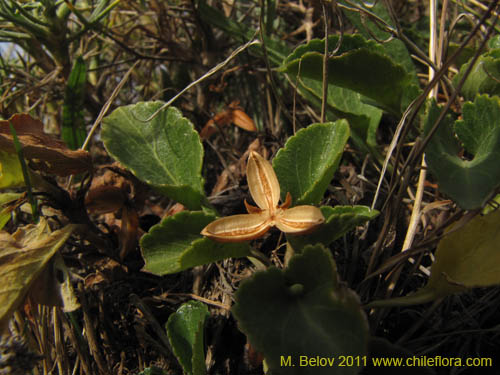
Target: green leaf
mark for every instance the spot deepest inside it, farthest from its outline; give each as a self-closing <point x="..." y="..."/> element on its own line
<point x="360" y="65"/>
<point x="165" y="152"/>
<point x="465" y="258"/>
<point x="73" y="127"/>
<point x="464" y="56"/>
<point x="307" y="163"/>
<point x="494" y="42"/>
<point x="338" y="221"/>
<point x="101" y="10"/>
<point x="176" y="244"/>
<point x="393" y="47"/>
<point x="470" y="183"/>
<point x="11" y="173"/>
<point x="302" y="312"/>
<point x="363" y="118"/>
<point x="468" y="257"/>
<point x="484" y="77"/>
<point x="185" y="333"/>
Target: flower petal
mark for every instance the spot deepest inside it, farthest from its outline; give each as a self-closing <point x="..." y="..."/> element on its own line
<point x="299" y="220"/>
<point x="287" y="202"/>
<point x="238" y="228"/>
<point x="262" y="182"/>
<point x="242" y="120"/>
<point x="252" y="209"/>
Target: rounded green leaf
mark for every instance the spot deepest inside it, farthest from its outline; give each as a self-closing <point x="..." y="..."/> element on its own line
<point x="465" y="258"/>
<point x="343" y="103"/>
<point x="307" y="163"/>
<point x="349" y="43"/>
<point x="484" y="77"/>
<point x="338" y="221"/>
<point x="468" y="257"/>
<point x="176" y="244"/>
<point x="301" y="313"/>
<point x="185" y="333"/>
<point x="393" y="47"/>
<point x="360" y="65"/>
<point x="470" y="183"/>
<point x="165" y="152"/>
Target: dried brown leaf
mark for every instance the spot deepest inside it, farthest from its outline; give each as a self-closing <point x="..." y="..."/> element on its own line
<point x="233" y="113"/>
<point x="23" y="257"/>
<point x="43" y="152"/>
<point x="53" y="286"/>
<point x="104" y="199"/>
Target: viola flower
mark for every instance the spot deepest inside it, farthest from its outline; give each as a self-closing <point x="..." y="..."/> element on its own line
<point x="265" y="191"/>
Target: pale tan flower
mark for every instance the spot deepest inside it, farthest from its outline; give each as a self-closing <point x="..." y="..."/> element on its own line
<point x="265" y="191"/>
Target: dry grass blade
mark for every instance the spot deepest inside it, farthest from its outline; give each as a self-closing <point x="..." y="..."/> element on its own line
<point x="90" y="333"/>
<point x="208" y="74"/>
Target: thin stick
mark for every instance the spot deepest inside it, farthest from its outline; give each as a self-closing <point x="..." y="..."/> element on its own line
<point x="103" y="112"/>
<point x="416" y="152"/>
<point x="433" y="45"/>
<point x="442" y="23"/>
<point x="105" y="109"/>
<point x="324" y="96"/>
<point x="204" y="300"/>
<point x="208" y="74"/>
<point x="419" y="101"/>
<point x="392" y="147"/>
<point x="61" y="359"/>
<point x="433" y="54"/>
<point x="137" y="301"/>
<point x="274" y="89"/>
<point x="327" y="55"/>
<point x="92" y="336"/>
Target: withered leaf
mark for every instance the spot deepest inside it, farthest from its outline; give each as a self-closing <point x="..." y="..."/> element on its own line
<point x="53" y="286"/>
<point x="23" y="257"/>
<point x="232" y="114"/>
<point x="128" y="231"/>
<point x="42" y="151"/>
<point x="104" y="199"/>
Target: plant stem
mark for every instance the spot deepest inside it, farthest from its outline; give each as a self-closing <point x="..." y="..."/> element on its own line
<point x="324" y="97"/>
